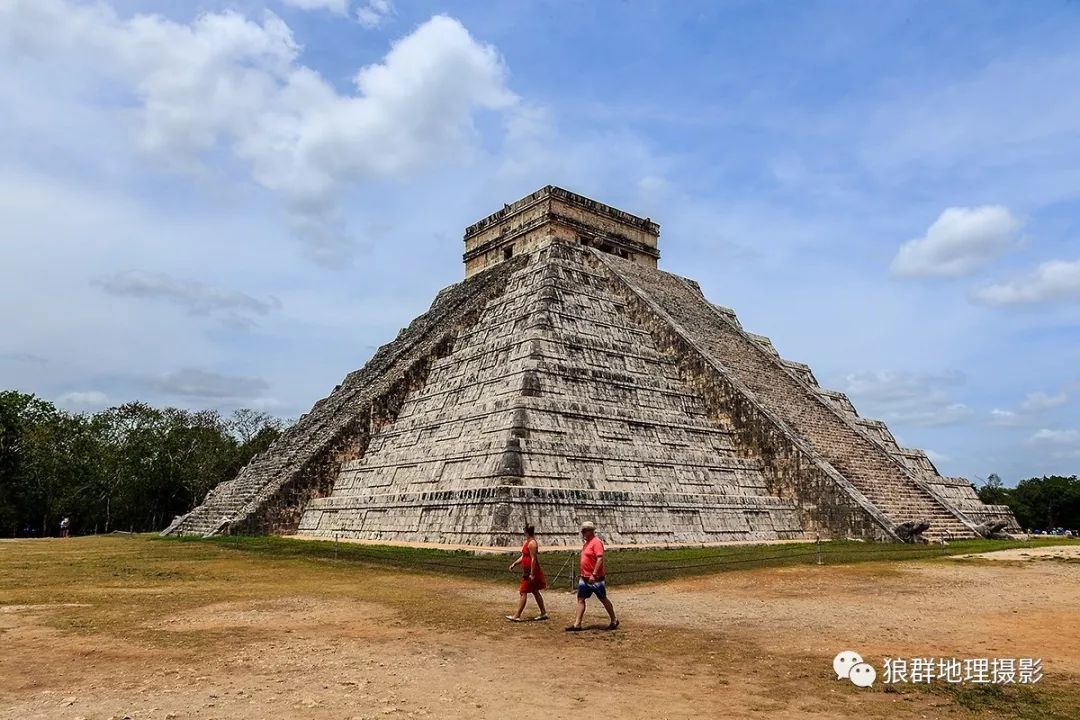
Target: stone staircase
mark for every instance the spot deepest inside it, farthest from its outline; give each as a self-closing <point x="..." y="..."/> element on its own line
<point x="270" y="492"/>
<point x="554" y="407"/>
<point x="877" y="475"/>
<point x="223" y="506"/>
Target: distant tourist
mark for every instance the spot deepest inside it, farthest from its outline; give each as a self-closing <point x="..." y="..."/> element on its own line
<point x="532" y="576"/>
<point x="591" y="581"/>
<point x="65" y="527"/>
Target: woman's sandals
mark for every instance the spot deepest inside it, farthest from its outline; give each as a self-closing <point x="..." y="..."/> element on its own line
<point x="575" y="628"/>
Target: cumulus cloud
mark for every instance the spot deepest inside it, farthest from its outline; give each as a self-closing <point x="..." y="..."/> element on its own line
<point x="339" y="7"/>
<point x="374" y="13"/>
<point x="959" y="241"/>
<point x="226" y="82"/>
<point x="196" y="297"/>
<point x="206" y="385"/>
<point x="1057" y="280"/>
<point x="907" y="398"/>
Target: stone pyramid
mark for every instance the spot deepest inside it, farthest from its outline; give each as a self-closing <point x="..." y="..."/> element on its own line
<point x="567" y="378"/>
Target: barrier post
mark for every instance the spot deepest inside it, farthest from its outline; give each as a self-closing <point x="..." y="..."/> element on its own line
<point x="818" y="550"/>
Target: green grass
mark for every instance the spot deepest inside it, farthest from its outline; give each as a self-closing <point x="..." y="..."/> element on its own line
<point x="141" y="592"/>
<point x="627" y="566"/>
<point x="1022" y="702"/>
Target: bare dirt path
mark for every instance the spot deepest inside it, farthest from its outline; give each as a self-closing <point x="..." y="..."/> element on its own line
<point x="1054" y="552"/>
<point x="128" y="627"/>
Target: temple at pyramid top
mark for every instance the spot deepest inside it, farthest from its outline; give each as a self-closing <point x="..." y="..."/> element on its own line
<point x="567" y="378"/>
<point x="553" y="213"/>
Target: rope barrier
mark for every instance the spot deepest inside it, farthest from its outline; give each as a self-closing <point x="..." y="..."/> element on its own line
<point x="567" y="562"/>
<point x="721" y="558"/>
<point x="635" y="571"/>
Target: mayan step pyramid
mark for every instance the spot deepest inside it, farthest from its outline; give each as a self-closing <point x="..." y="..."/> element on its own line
<point x="568" y="379"/>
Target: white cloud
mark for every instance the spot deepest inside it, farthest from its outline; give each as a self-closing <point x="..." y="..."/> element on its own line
<point x="340" y="7"/>
<point x="1057" y="280"/>
<point x="907" y="398"/>
<point x="889" y="386"/>
<point x="960" y="240"/>
<point x="374" y="13"/>
<point x="931" y="416"/>
<point x="196" y="297"/>
<point x="1005" y="418"/>
<point x="1031" y="408"/>
<point x="227" y="82"/>
<point x="1056" y="437"/>
<point x="936" y="457"/>
<point x="83" y="400"/>
<point x="370" y="14"/>
<point x="1038" y="401"/>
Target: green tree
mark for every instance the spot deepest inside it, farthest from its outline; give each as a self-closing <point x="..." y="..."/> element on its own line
<point x="45" y="456"/>
<point x="992" y="491"/>
<point x="12" y="503"/>
<point x="131" y="467"/>
<point x="1048" y="502"/>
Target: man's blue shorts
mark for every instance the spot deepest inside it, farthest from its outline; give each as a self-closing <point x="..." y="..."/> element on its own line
<point x="585" y="590"/>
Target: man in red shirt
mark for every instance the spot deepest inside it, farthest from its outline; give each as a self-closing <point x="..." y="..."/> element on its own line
<point x="591" y="581"/>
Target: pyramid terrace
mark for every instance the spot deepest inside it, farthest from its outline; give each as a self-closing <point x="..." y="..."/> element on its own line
<point x="567" y="378"/>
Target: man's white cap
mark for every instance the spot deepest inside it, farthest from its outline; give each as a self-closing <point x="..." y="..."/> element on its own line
<point x="587" y="526"/>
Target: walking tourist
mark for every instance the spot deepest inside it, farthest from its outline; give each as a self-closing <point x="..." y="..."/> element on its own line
<point x="591" y="581"/>
<point x="532" y="576"/>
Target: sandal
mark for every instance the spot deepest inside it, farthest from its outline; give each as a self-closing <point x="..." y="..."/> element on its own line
<point x="512" y="618"/>
<point x="573" y="628"/>
<point x="613" y="626"/>
<point x="541" y="617"/>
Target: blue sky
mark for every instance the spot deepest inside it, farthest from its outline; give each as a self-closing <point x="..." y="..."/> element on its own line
<point x="232" y="204"/>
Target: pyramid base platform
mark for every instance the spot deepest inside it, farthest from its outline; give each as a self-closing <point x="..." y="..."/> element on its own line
<point x="494" y="517"/>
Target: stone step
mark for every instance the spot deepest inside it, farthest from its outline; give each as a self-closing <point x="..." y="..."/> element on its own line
<point x="869" y="468"/>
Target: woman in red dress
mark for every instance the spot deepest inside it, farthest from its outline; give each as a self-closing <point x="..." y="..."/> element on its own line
<point x="532" y="576"/>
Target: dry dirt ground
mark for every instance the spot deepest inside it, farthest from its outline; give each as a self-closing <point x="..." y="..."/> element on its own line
<point x="1054" y="552"/>
<point x="138" y="628"/>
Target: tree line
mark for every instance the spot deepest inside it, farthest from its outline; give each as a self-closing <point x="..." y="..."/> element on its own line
<point x="1043" y="503"/>
<point x="132" y="467"/>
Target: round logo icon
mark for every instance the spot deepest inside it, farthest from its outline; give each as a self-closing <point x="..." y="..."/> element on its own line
<point x="844" y="661"/>
<point x="862" y="674"/>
